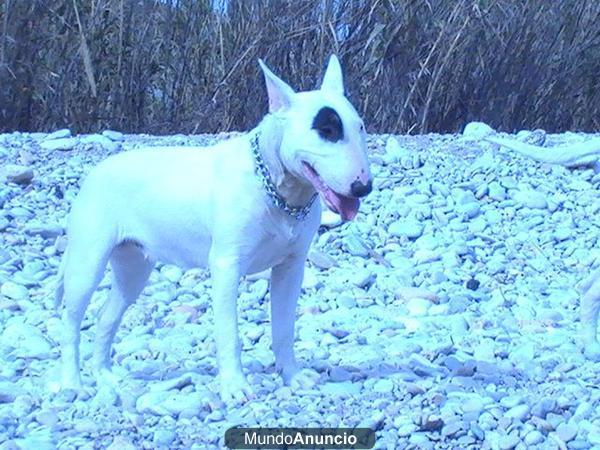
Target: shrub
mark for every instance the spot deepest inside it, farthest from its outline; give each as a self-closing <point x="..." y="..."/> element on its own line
<point x="190" y="66"/>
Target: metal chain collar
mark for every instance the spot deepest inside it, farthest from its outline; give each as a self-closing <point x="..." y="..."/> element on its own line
<point x="261" y="170"/>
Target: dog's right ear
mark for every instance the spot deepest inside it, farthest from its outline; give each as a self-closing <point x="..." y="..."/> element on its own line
<point x="280" y="93"/>
<point x="333" y="80"/>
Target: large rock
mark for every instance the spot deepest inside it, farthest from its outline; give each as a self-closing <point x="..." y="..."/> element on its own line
<point x="15" y="173"/>
<point x="46" y="230"/>
<point x="116" y="136"/>
<point x="171" y="403"/>
<point x="519" y="412"/>
<point x="406" y="228"/>
<point x="566" y="431"/>
<point x="58" y="134"/>
<point x="320" y="259"/>
<point x="14" y="291"/>
<point x="341" y="389"/>
<point x="496" y="191"/>
<point x="62" y="144"/>
<point x="477" y="130"/>
<point x="121" y="443"/>
<point x="26" y="341"/>
<point x="9" y="391"/>
<point x="101" y="140"/>
<point x="531" y="199"/>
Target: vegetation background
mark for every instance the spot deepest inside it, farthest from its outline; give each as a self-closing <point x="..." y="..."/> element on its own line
<point x="187" y="66"/>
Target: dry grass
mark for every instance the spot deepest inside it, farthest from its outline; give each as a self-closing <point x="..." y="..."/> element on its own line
<point x="411" y="66"/>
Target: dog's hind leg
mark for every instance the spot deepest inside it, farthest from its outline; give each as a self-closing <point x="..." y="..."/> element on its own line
<point x="590" y="308"/>
<point x="84" y="267"/>
<point x="130" y="271"/>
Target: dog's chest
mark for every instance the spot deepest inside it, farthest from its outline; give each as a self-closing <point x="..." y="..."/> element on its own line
<point x="278" y="241"/>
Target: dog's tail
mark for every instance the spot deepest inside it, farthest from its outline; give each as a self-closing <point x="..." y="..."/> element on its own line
<point x="59" y="289"/>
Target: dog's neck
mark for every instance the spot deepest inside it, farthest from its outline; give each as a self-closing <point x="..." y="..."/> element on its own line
<point x="295" y="191"/>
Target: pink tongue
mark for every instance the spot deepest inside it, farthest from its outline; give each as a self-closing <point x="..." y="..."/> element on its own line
<point x="347" y="207"/>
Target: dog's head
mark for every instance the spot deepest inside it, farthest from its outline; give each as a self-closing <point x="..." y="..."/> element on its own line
<point x="323" y="140"/>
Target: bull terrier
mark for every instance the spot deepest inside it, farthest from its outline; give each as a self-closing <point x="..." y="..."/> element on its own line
<point x="238" y="207"/>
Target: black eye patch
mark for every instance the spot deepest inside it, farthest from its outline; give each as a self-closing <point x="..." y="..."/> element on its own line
<point x="328" y="124"/>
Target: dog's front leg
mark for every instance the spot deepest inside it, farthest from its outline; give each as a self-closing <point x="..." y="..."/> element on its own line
<point x="286" y="282"/>
<point x="226" y="273"/>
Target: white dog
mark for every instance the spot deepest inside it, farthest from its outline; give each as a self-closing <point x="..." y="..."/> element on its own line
<point x="238" y="207"/>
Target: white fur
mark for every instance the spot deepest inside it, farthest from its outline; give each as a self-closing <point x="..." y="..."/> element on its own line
<point x="204" y="207"/>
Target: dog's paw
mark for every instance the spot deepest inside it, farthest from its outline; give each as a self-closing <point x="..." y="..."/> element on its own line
<point x="71" y="382"/>
<point x="235" y="390"/>
<point x="106" y="396"/>
<point x="106" y="377"/>
<point x="300" y="379"/>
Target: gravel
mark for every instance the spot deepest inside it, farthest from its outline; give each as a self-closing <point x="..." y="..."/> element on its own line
<point x="444" y="316"/>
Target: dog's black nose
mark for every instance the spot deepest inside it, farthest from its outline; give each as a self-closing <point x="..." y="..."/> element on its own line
<point x="360" y="190"/>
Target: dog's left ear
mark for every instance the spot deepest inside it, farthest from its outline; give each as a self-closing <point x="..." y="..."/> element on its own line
<point x="279" y="92"/>
<point x="333" y="80"/>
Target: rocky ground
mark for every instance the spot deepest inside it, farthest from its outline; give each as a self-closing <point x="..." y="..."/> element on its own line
<point x="445" y="316"/>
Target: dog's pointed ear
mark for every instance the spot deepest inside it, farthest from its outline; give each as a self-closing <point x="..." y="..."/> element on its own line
<point x="333" y="79"/>
<point x="279" y="92"/>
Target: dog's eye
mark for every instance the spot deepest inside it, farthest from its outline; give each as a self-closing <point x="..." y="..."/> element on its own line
<point x="326" y="132"/>
<point x="328" y="124"/>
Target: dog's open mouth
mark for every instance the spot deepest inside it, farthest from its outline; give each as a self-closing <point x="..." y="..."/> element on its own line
<point x="347" y="207"/>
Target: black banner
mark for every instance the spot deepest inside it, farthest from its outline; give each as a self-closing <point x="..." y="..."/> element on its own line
<point x="299" y="438"/>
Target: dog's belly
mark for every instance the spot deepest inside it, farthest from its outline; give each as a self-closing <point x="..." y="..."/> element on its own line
<point x="185" y="254"/>
<point x="192" y="251"/>
<point x="183" y="240"/>
<point x="185" y="244"/>
<point x="187" y="241"/>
